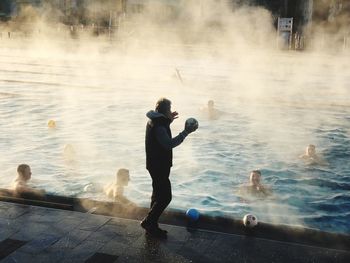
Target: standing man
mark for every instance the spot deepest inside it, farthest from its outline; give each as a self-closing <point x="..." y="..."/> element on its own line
<point x="159" y="157"/>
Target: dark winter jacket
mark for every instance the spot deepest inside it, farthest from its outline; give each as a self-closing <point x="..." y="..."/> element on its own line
<point x="159" y="142"/>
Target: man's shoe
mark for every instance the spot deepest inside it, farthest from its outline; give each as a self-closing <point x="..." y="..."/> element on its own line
<point x="146" y="225"/>
<point x="166" y="232"/>
<point x="156" y="233"/>
<point x="153" y="229"/>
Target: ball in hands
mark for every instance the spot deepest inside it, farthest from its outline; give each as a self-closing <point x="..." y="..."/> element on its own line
<point x="191" y="124"/>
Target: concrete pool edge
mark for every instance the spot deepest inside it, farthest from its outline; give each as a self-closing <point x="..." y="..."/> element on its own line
<point x="128" y="210"/>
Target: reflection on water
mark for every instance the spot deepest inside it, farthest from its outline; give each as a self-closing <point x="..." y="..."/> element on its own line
<point x="99" y="110"/>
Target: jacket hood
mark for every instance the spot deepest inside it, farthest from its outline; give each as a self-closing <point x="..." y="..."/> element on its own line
<point x="155" y="115"/>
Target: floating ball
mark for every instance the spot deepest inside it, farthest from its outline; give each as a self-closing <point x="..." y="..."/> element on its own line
<point x="192" y="214"/>
<point x="192" y="123"/>
<point x="51" y="124"/>
<point x="250" y="220"/>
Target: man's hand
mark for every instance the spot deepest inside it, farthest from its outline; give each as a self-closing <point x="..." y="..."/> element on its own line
<point x="174" y="115"/>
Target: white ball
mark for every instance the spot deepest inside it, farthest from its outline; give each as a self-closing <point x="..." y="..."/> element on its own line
<point x="250" y="220"/>
<point x="192" y="122"/>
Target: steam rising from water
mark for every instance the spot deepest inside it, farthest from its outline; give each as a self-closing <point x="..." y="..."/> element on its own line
<point x="98" y="92"/>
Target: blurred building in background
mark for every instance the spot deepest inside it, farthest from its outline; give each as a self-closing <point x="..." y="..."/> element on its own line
<point x="305" y="13"/>
<point x="308" y="16"/>
<point x="302" y="11"/>
<point x="299" y="10"/>
<point x="68" y="11"/>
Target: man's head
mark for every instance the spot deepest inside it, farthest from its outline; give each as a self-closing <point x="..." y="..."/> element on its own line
<point x="123" y="177"/>
<point x="163" y="106"/>
<point x="24" y="172"/>
<point x="210" y="104"/>
<point x="311" y="150"/>
<point x="255" y="177"/>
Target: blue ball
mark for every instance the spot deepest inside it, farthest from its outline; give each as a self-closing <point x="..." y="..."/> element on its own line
<point x="192" y="214"/>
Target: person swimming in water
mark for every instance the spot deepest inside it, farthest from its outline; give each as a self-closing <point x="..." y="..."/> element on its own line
<point x="116" y="190"/>
<point x="211" y="111"/>
<point x="69" y="155"/>
<point x="255" y="188"/>
<point x="113" y="190"/>
<point x="21" y="182"/>
<point x="311" y="157"/>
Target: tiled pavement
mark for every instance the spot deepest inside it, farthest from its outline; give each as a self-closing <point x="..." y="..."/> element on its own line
<point x="37" y="234"/>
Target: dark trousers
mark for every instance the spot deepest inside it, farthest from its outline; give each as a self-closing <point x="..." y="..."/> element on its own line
<point x="161" y="195"/>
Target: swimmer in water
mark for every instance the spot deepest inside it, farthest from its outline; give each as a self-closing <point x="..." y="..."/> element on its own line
<point x="311" y="156"/>
<point x="211" y="111"/>
<point x="21" y="183"/>
<point x="69" y="155"/>
<point x="255" y="187"/>
<point x="69" y="152"/>
<point x="116" y="190"/>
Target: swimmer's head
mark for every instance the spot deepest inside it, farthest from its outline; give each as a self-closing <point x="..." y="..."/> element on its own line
<point x="163" y="106"/>
<point x="51" y="124"/>
<point x="24" y="172"/>
<point x="210" y="104"/>
<point x="123" y="177"/>
<point x="255" y="177"/>
<point x="311" y="150"/>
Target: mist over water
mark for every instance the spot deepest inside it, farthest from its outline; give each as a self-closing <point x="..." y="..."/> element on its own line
<point x="274" y="104"/>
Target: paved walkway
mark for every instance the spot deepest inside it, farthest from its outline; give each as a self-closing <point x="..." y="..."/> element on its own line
<point x="37" y="234"/>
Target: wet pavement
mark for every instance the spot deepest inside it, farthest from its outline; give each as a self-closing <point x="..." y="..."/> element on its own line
<point x="39" y="234"/>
